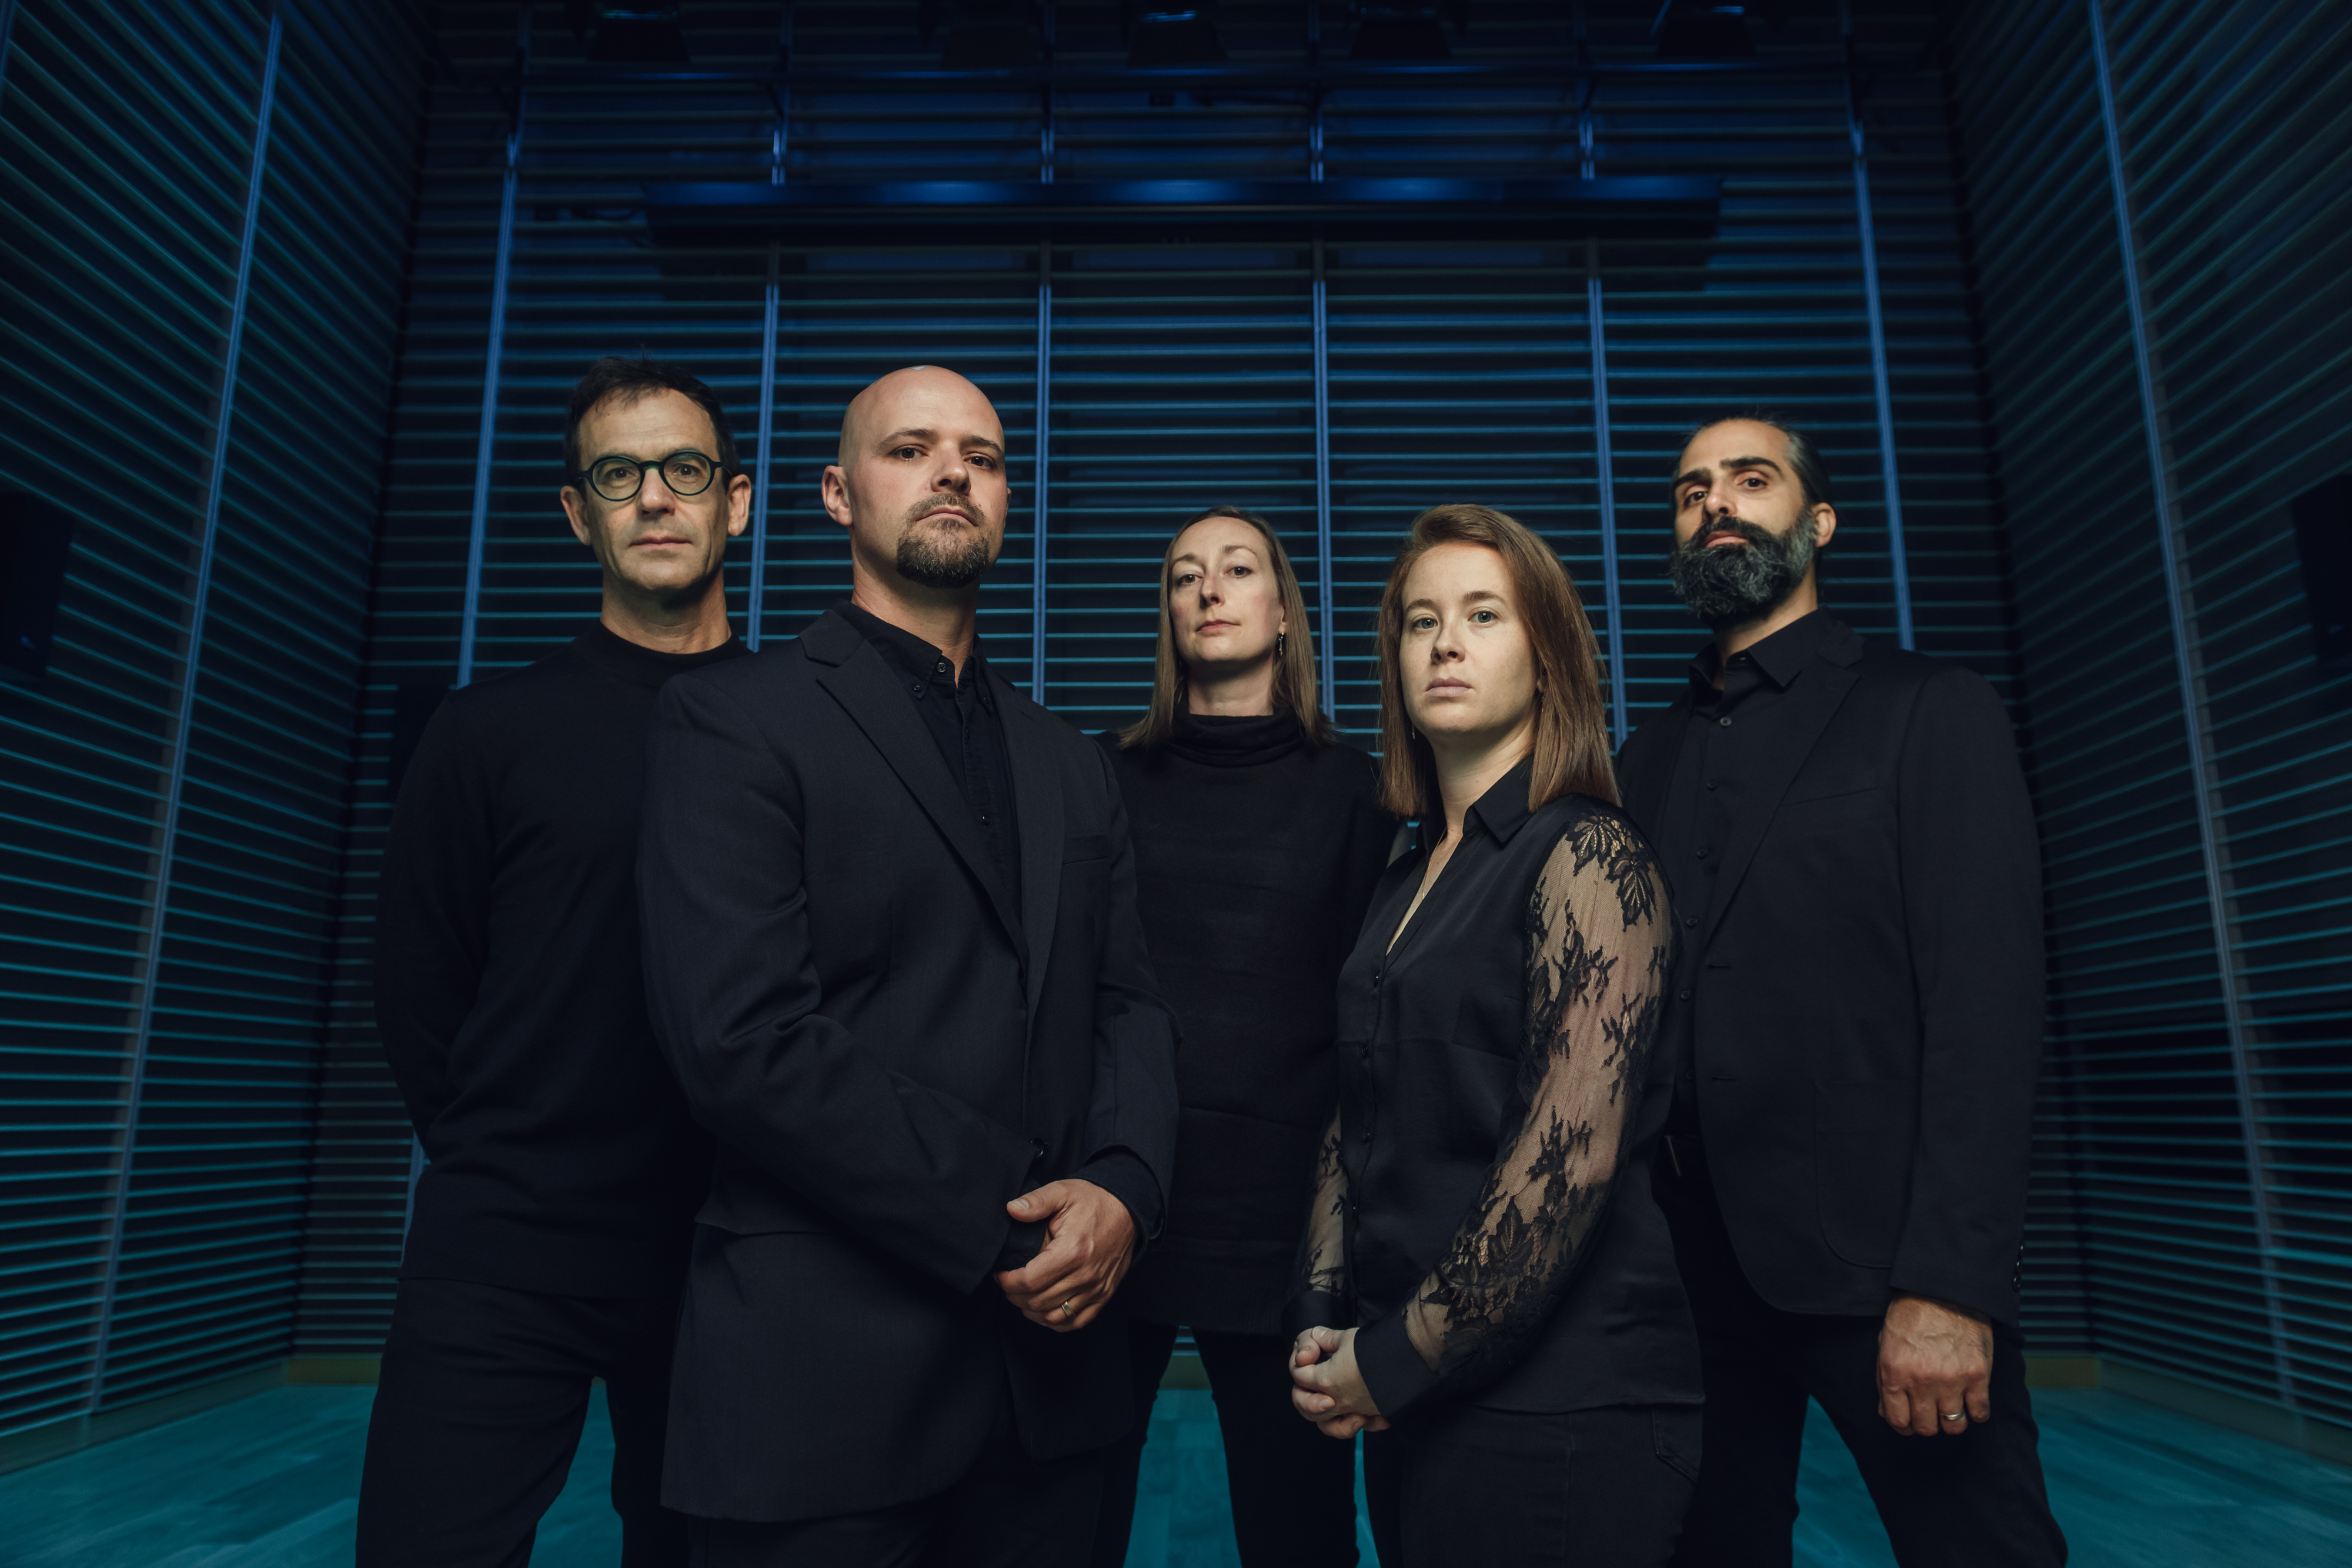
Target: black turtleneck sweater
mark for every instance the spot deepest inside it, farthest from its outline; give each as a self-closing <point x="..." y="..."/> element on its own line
<point x="509" y="991"/>
<point x="1255" y="854"/>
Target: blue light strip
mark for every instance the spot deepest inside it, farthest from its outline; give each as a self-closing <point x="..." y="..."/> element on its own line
<point x="1326" y="665"/>
<point x="7" y="29"/>
<point x="1045" y="421"/>
<point x="755" y="613"/>
<point x="1612" y="597"/>
<point x="2216" y="894"/>
<point x="483" y="451"/>
<point x="176" y="774"/>
<point x="1898" y="562"/>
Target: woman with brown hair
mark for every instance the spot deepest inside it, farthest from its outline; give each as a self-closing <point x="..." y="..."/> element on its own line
<point x="1257" y="839"/>
<point x="1486" y="1275"/>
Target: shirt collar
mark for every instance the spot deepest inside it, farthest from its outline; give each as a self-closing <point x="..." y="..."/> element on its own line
<point x="1781" y="656"/>
<point x="1502" y="811"/>
<point x="916" y="660"/>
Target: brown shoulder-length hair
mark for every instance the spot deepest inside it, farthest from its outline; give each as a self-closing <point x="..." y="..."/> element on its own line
<point x="1571" y="746"/>
<point x="1294" y="668"/>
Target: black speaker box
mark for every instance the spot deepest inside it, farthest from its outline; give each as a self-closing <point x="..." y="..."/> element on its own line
<point x="2323" y="536"/>
<point x="34" y="547"/>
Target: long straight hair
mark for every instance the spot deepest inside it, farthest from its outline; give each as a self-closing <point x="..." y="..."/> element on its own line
<point x="1294" y="668"/>
<point x="1571" y="746"/>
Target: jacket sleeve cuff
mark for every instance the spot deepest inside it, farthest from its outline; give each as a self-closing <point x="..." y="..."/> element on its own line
<point x="1021" y="1244"/>
<point x="1392" y="1370"/>
<point x="1997" y="1304"/>
<point x="1119" y="1172"/>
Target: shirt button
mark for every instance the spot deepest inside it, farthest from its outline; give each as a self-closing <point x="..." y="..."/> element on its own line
<point x="1711" y="783"/>
<point x="1682" y="996"/>
<point x="983" y="819"/>
<point x="1703" y="851"/>
<point x="940" y="668"/>
<point x="1690" y="920"/>
<point x="1725" y="721"/>
<point x="1368" y="1135"/>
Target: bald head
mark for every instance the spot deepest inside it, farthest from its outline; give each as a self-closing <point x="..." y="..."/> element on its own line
<point x="898" y="400"/>
<point x="920" y="482"/>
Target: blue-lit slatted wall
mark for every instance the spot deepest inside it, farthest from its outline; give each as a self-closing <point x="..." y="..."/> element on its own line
<point x="1181" y="375"/>
<point x="2198" y="1021"/>
<point x="159" y="1098"/>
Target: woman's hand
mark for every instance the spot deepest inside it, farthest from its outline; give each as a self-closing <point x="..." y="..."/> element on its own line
<point x="1326" y="1386"/>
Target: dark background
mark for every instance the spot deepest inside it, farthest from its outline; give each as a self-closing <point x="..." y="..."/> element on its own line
<point x="272" y="484"/>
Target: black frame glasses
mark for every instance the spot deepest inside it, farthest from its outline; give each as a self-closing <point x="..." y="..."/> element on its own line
<point x="709" y="471"/>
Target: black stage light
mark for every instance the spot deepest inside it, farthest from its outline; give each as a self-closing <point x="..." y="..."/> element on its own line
<point x="35" y="545"/>
<point x="638" y="36"/>
<point x="1399" y="32"/>
<point x="989" y="34"/>
<point x="1703" y="32"/>
<point x="2323" y="537"/>
<point x="1162" y="40"/>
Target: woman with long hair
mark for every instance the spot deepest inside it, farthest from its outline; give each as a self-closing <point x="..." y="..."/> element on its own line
<point x="1257" y="839"/>
<point x="1486" y="1275"/>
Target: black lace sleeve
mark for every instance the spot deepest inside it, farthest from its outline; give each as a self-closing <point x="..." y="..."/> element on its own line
<point x="1321" y="1292"/>
<point x="1599" y="946"/>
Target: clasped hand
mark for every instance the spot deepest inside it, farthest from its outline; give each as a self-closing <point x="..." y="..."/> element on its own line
<point x="1326" y="1386"/>
<point x="1089" y="1242"/>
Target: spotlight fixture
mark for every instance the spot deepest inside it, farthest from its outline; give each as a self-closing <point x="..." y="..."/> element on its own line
<point x="1702" y="32"/>
<point x="638" y="36"/>
<point x="986" y="34"/>
<point x="1161" y="39"/>
<point x="1403" y="32"/>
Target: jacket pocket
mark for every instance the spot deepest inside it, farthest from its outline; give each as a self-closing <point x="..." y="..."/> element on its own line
<point x="1863" y="1132"/>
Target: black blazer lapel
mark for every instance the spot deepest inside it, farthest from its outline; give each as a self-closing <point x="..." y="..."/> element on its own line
<point x="1812" y="700"/>
<point x="862" y="684"/>
<point x="1646" y="770"/>
<point x="1038" y="814"/>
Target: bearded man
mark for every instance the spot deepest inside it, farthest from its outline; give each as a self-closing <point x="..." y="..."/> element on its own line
<point x="892" y="954"/>
<point x="1856" y="1020"/>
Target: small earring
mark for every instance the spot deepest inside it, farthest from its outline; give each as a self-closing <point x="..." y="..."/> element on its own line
<point x="1281" y="643"/>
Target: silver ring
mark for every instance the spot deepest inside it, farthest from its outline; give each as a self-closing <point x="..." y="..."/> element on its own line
<point x="1067" y="1315"/>
<point x="1955" y="1415"/>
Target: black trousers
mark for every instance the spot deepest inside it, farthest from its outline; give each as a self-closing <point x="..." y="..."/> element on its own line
<point x="478" y="1412"/>
<point x="1008" y="1512"/>
<point x="1293" y="1489"/>
<point x="1973" y="1499"/>
<point x="1466" y="1486"/>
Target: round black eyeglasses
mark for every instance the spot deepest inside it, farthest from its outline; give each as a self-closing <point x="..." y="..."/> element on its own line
<point x="686" y="473"/>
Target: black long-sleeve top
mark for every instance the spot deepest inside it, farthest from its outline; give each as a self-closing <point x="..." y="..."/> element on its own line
<point x="509" y="990"/>
<point x="1255" y="854"/>
<point x="1483" y="1209"/>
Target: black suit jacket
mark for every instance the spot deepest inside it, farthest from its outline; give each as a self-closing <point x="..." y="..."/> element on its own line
<point x="887" y="1052"/>
<point x="1869" y="992"/>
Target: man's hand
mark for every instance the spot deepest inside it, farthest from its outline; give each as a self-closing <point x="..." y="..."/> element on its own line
<point x="1934" y="1367"/>
<point x="1089" y="1242"/>
<point x="1327" y="1388"/>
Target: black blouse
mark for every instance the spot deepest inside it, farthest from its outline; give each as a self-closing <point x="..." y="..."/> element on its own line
<point x="1483" y="1206"/>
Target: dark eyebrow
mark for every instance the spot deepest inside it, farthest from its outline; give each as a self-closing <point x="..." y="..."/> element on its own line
<point x="1736" y="463"/>
<point x="1473" y="597"/>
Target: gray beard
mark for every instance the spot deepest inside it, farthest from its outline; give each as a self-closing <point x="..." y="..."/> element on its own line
<point x="1731" y="586"/>
<point x="923" y="559"/>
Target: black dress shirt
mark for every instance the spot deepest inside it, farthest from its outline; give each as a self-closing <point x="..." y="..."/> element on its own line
<point x="961" y="713"/>
<point x="1483" y="1209"/>
<point x="1723" y="739"/>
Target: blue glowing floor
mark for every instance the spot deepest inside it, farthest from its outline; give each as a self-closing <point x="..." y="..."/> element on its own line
<point x="272" y="1482"/>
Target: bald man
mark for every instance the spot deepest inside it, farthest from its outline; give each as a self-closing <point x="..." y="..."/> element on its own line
<point x="894" y="959"/>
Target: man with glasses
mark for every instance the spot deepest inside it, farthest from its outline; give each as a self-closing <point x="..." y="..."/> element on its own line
<point x="553" y="1221"/>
